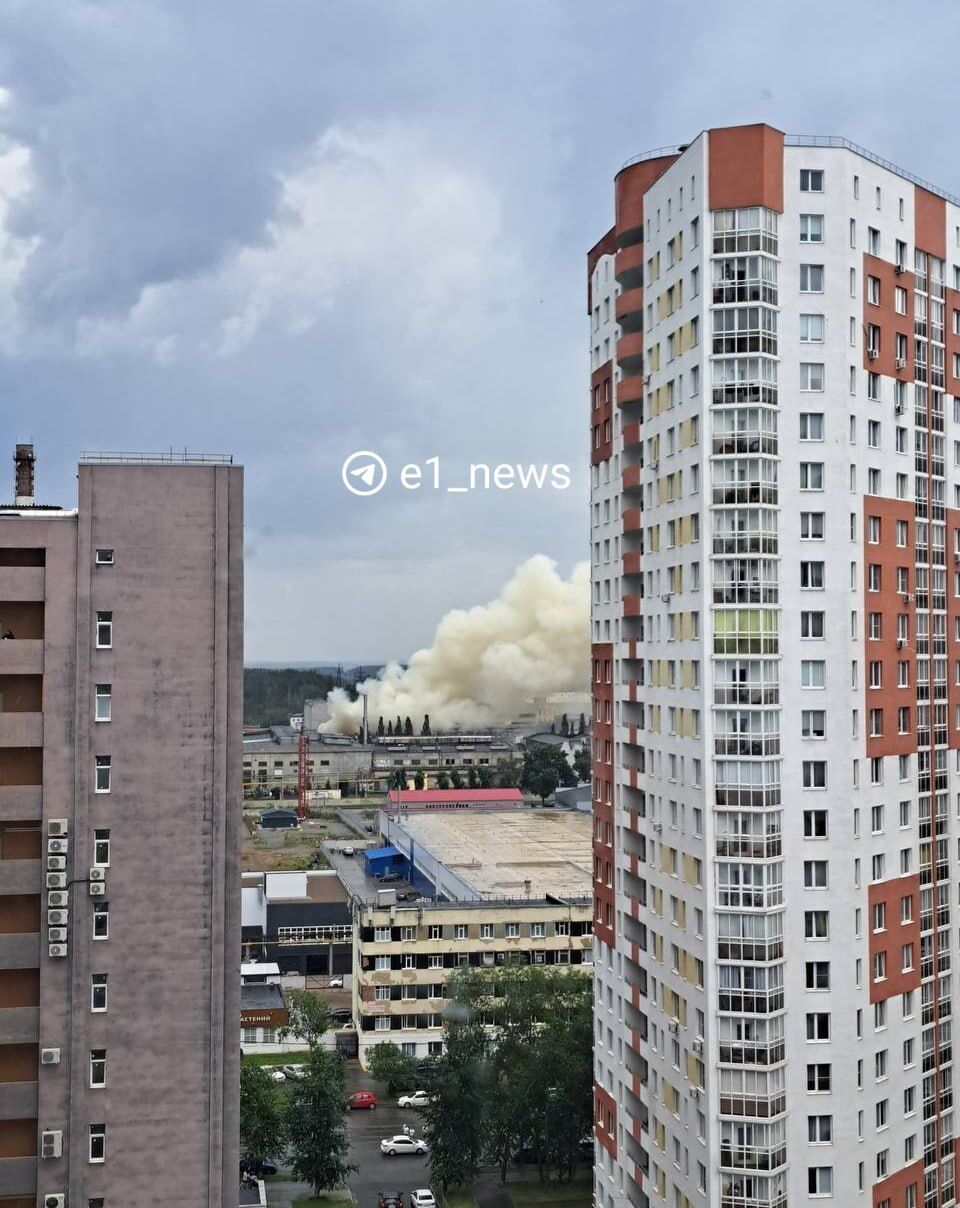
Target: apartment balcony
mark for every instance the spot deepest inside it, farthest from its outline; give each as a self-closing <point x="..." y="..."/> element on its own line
<point x="630" y="310"/>
<point x="748" y="1157"/>
<point x="19" y="950"/>
<point x="21" y="876"/>
<point x="746" y="593"/>
<point x="21" y="656"/>
<point x="21" y="729"/>
<point x="632" y="606"/>
<point x="745" y="492"/>
<point x="746" y="694"/>
<point x="22" y="584"/>
<point x="630" y="389"/>
<point x="744" y="1053"/>
<point x="739" y="1194"/>
<point x="749" y="848"/>
<point x="18" y="1100"/>
<point x="631" y="435"/>
<point x="631" y="563"/>
<point x="746" y="744"/>
<point x="753" y="1107"/>
<point x="630" y="352"/>
<point x="745" y="543"/>
<point x="18" y="1177"/>
<point x="630" y="478"/>
<point x="628" y="267"/>
<point x="736" y="443"/>
<point x="632" y="520"/>
<point x="19" y="1025"/>
<point x="21" y="802"/>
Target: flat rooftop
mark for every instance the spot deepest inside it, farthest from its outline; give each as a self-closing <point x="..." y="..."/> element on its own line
<point x="496" y="852"/>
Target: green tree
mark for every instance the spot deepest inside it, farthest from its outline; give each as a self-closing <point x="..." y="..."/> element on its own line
<point x="319" y="1139"/>
<point x="485" y="776"/>
<point x="309" y="1016"/>
<point x="408" y="727"/>
<point x="564" y="725"/>
<point x="418" y="781"/>
<point x="509" y="773"/>
<point x="443" y="781"/>
<point x="454" y="1117"/>
<point x="425" y="728"/>
<point x="389" y="729"/>
<point x="262" y="1118"/>
<point x="472" y="778"/>
<point x="399" y="779"/>
<point x="380" y="730"/>
<point x="545" y="769"/>
<point x="582" y="765"/>
<point x="456" y="780"/>
<point x="388" y="1064"/>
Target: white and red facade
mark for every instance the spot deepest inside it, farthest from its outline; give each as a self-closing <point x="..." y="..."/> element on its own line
<point x="775" y="539"/>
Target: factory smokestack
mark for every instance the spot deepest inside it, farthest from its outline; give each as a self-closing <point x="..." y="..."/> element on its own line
<point x="24" y="459"/>
<point x="486" y="663"/>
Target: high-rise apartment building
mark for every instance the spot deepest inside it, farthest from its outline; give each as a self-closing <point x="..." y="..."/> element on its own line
<point x="120" y="764"/>
<point x="775" y="528"/>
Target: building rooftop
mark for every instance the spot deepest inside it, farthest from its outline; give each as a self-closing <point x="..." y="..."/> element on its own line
<point x="261" y="996"/>
<point x="498" y="853"/>
<point x="452" y="797"/>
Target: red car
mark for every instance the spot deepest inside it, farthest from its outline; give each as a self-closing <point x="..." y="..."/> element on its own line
<point x="362" y="1099"/>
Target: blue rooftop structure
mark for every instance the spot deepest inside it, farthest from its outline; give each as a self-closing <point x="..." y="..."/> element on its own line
<point x="383" y="860"/>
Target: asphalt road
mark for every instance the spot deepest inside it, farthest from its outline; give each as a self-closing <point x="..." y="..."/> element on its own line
<point x="377" y="1172"/>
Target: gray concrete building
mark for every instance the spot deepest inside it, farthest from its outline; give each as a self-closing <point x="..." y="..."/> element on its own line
<point x="120" y="781"/>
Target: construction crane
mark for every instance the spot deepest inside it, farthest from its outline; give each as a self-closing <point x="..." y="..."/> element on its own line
<point x="303" y="750"/>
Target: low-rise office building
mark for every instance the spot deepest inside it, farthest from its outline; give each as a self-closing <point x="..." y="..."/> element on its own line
<point x="300" y="921"/>
<point x="499" y="888"/>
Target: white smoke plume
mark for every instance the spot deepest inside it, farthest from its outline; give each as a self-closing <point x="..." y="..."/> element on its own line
<point x="487" y="662"/>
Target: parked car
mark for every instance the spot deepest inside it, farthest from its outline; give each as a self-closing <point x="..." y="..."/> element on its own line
<point x="422" y="1198"/>
<point x="390" y="878"/>
<point x="362" y="1100"/>
<point x="408" y="895"/>
<point x="414" y="1099"/>
<point x="341" y="1014"/>
<point x="348" y="851"/>
<point x="402" y="1144"/>
<point x="295" y="1071"/>
<point x="276" y="1073"/>
<point x="387" y="1200"/>
<point x="335" y="983"/>
<point x="256" y="1168"/>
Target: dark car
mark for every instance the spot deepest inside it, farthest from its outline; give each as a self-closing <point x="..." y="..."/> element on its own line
<point x="387" y="1200"/>
<point x="259" y="1170"/>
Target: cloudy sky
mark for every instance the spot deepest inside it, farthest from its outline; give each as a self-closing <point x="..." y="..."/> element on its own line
<point x="289" y="229"/>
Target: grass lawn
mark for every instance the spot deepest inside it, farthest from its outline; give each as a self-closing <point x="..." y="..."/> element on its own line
<point x="293" y="1057"/>
<point x="459" y="1199"/>
<point x="327" y="1197"/>
<point x="578" y="1194"/>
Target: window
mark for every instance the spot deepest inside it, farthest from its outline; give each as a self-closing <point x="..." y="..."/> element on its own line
<point x="460" y="931"/>
<point x="98" y="1067"/>
<point x="811" y="278"/>
<point x="98" y="1142"/>
<point x="98" y="991"/>
<point x="815" y="824"/>
<point x="101" y="782"/>
<point x="101" y="921"/>
<point x="815" y="874"/>
<point x="435" y="931"/>
<point x="811" y="624"/>
<point x="103" y="706"/>
<point x="814" y="774"/>
<point x="819" y="1130"/>
<point x="818" y="1077"/>
<point x="820" y="1180"/>
<point x="813" y="723"/>
<point x="811" y="574"/>
<point x="381" y="935"/>
<point x="813" y="673"/>
<point x="811" y="476"/>
<point x="104" y="557"/>
<point x="408" y="933"/>
<point x="486" y="931"/>
<point x="816" y="926"/>
<point x="818" y="975"/>
<point x="101" y="848"/>
<point x="538" y="931"/>
<point x="811" y="329"/>
<point x="811" y="228"/>
<point x="512" y="931"/>
<point x="104" y="630"/>
<point x="873" y="290"/>
<point x="811" y="180"/>
<point x="811" y="425"/>
<point x="811" y="525"/>
<point x="873" y="433"/>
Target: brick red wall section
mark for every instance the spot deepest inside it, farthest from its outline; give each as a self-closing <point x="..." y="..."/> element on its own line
<point x="894" y="935"/>
<point x="602" y="770"/>
<point x="890" y="604"/>
<point x="953" y="621"/>
<point x="601" y="413"/>
<point x="893" y="1189"/>
<point x="746" y="167"/>
<point x="930" y="222"/>
<point x="605" y="1119"/>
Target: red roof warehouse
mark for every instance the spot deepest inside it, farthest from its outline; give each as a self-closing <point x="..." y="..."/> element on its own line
<point x="455" y="799"/>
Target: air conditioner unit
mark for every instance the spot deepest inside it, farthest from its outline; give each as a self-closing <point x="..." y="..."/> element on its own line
<point x="658" y="827"/>
<point x="901" y="362"/>
<point x="675" y="1025"/>
<point x="98" y="874"/>
<point x="57" y="949"/>
<point x="55" y="1200"/>
<point x="871" y="354"/>
<point x="97" y="889"/>
<point x="695" y="1092"/>
<point x="57" y="847"/>
<point x="898" y="407"/>
<point x="58" y="918"/>
<point x="898" y="269"/>
<point x="655" y="464"/>
<point x="900" y="643"/>
<point x="697" y="1047"/>
<point x="59" y="897"/>
<point x="56" y="863"/>
<point x="56" y="880"/>
<point x="49" y="1056"/>
<point x="58" y="826"/>
<point x="51" y="1143"/>
<point x="57" y="935"/>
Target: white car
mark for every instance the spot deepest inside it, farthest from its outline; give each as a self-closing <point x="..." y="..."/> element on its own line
<point x="277" y="1075"/>
<point x="416" y="1099"/>
<point x="402" y="1144"/>
<point x="335" y="983"/>
<point x="424" y="1198"/>
<point x="295" y="1071"/>
<point x="348" y="851"/>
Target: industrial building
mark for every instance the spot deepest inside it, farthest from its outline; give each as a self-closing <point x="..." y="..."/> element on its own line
<point x="776" y="677"/>
<point x="299" y="920"/>
<point x="120" y="890"/>
<point x="496" y="887"/>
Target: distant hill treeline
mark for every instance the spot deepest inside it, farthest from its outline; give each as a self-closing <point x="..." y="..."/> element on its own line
<point x="272" y="695"/>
